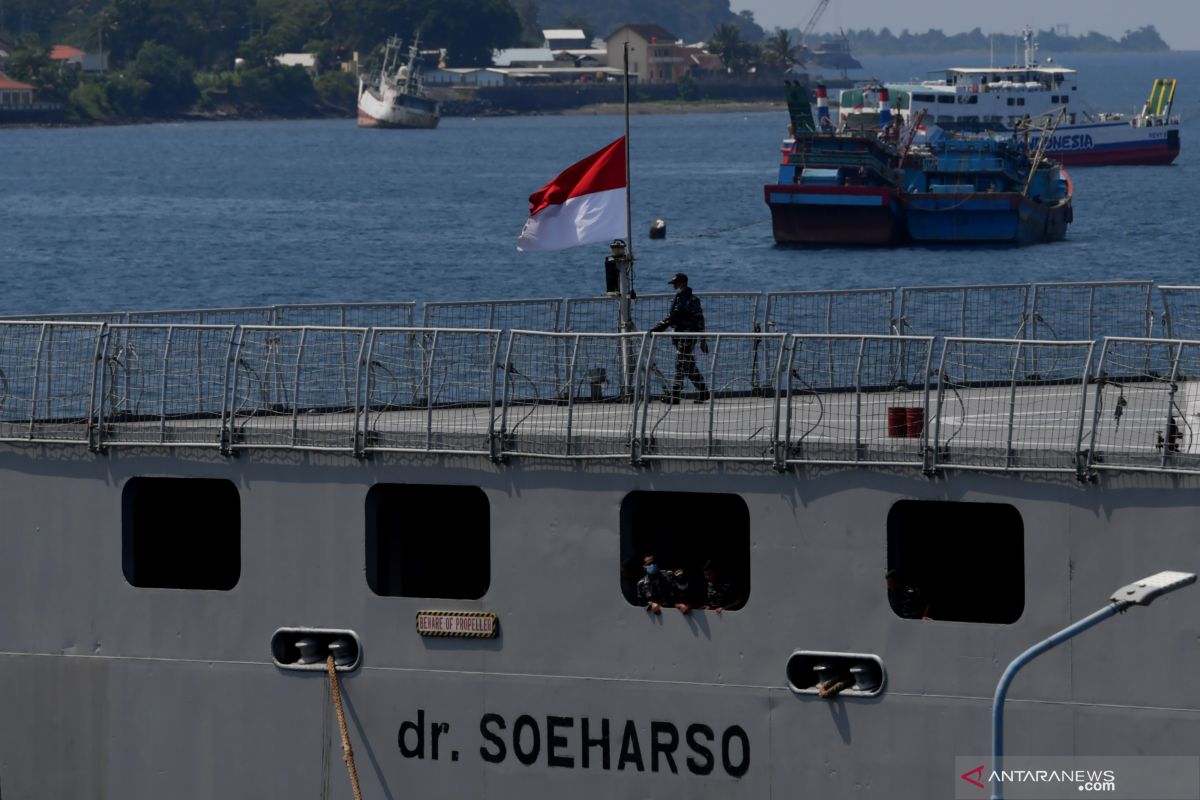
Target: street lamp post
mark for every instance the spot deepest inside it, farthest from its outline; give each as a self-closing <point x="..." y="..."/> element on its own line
<point x="1140" y="593"/>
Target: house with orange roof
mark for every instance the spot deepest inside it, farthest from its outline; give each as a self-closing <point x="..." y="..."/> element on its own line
<point x="14" y="94"/>
<point x="64" y="52"/>
<point x="88" y="62"/>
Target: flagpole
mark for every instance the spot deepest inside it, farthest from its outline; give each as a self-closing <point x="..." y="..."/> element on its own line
<point x="628" y="186"/>
<point x="625" y="302"/>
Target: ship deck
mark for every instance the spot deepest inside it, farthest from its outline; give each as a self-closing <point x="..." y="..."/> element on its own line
<point x="802" y="391"/>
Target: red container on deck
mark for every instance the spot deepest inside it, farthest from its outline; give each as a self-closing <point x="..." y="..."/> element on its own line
<point x="914" y="421"/>
<point x="897" y="421"/>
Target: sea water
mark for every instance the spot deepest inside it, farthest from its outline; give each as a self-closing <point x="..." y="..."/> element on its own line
<point x="246" y="213"/>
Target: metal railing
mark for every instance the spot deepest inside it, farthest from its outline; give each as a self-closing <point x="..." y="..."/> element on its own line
<point x="935" y="401"/>
<point x="364" y="315"/>
<point x="1045" y="311"/>
<point x="850" y="311"/>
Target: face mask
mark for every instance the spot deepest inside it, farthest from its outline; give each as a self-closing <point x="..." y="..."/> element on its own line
<point x="651" y="569"/>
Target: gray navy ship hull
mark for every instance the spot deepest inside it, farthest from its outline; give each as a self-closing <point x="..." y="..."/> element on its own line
<point x="1074" y="463"/>
<point x="112" y="691"/>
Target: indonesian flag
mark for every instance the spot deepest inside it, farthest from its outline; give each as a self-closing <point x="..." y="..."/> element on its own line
<point x="585" y="204"/>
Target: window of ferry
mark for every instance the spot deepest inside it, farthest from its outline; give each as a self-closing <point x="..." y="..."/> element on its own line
<point x="428" y="541"/>
<point x="181" y="533"/>
<point x="963" y="562"/>
<point x="946" y="98"/>
<point x="697" y="534"/>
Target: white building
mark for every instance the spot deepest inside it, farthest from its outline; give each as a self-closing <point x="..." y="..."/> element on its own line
<point x="306" y="60"/>
<point x="463" y="76"/>
<point x="523" y="57"/>
<point x="566" y="39"/>
<point x="654" y="52"/>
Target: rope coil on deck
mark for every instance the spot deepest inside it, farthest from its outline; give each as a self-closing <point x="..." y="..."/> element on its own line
<point x="347" y="750"/>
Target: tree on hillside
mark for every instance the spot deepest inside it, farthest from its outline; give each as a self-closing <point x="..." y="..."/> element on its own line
<point x="531" y="29"/>
<point x="779" y="51"/>
<point x="470" y="29"/>
<point x="572" y="21"/>
<point x="726" y="41"/>
<point x="31" y="63"/>
<point x="171" y="86"/>
<point x="1144" y="39"/>
<point x="136" y="22"/>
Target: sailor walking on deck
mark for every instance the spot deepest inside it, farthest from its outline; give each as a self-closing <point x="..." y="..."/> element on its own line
<point x="685" y="316"/>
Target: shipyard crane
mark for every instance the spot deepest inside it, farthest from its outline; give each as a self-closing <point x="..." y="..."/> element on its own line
<point x="812" y="21"/>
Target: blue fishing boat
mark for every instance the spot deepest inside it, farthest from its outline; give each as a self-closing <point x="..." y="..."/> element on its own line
<point x="875" y="187"/>
<point x="985" y="189"/>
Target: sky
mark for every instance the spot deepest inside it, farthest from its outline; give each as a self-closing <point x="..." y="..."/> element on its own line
<point x="1178" y="21"/>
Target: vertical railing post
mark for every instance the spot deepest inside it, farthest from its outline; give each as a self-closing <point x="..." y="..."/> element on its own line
<point x="1012" y="406"/>
<point x="296" y="380"/>
<point x="362" y="391"/>
<point x="433" y="354"/>
<point x="493" y="355"/>
<point x="93" y="423"/>
<point x="778" y="433"/>
<point x="50" y="415"/>
<point x="37" y="379"/>
<point x="791" y="373"/>
<point x="1091" y="312"/>
<point x="162" y="389"/>
<point x="102" y="391"/>
<point x="199" y="368"/>
<point x="941" y="395"/>
<point x="1169" y="424"/>
<point x="570" y="387"/>
<point x="1096" y="407"/>
<point x="926" y="457"/>
<point x="712" y="400"/>
<point x="229" y="389"/>
<point x="1148" y="312"/>
<point x="858" y="444"/>
<point x="1083" y="387"/>
<point x="506" y="396"/>
<point x="635" y="443"/>
<point x="962" y="314"/>
<point x="647" y="395"/>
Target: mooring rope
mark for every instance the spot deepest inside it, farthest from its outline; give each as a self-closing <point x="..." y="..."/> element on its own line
<point x="347" y="751"/>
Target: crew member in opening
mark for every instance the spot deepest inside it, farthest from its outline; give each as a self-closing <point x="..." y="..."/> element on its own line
<point x="907" y="599"/>
<point x="657" y="588"/>
<point x="685" y="316"/>
<point x="683" y="590"/>
<point x="722" y="593"/>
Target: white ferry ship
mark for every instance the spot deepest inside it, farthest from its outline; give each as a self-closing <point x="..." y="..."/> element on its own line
<point x="1004" y="97"/>
<point x="241" y="546"/>
<point x="395" y="97"/>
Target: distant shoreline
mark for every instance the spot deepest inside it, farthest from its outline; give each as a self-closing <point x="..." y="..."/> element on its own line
<point x="673" y="107"/>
